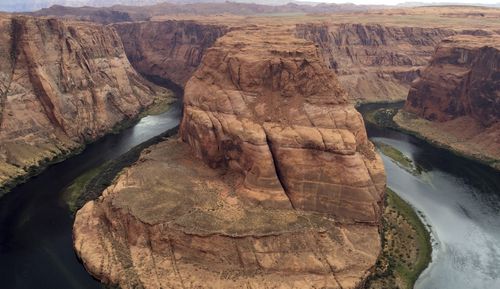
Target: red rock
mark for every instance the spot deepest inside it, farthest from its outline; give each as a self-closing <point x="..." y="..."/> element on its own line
<point x="456" y="102"/>
<point x="169" y="50"/>
<point x="62" y="84"/>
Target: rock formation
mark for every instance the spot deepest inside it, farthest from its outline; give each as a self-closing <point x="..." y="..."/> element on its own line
<point x="103" y="15"/>
<point x="62" y="84"/>
<point x="375" y="62"/>
<point x="119" y="13"/>
<point x="272" y="184"/>
<point x="457" y="99"/>
<point x="167" y="49"/>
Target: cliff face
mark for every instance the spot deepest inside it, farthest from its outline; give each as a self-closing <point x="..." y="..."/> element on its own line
<point x="463" y="78"/>
<point x="374" y="62"/>
<point x="104" y="15"/>
<point x="61" y="84"/>
<point x="280" y="118"/>
<point x="167" y="49"/>
<point x="459" y="93"/>
<point x="275" y="184"/>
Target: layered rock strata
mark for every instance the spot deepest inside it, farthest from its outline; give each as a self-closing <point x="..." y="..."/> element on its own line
<point x="62" y="84"/>
<point x="264" y="105"/>
<point x="275" y="183"/>
<point x="456" y="102"/>
<point x="168" y="49"/>
<point x="375" y="62"/>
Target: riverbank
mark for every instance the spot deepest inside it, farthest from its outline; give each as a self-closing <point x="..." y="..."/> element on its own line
<point x="161" y="104"/>
<point x="462" y="136"/>
<point x="406" y="246"/>
<point x="90" y="185"/>
<point x="392" y="117"/>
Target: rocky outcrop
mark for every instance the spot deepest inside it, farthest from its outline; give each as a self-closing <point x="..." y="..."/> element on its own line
<point x="279" y="117"/>
<point x="168" y="49"/>
<point x="99" y="11"/>
<point x="456" y="102"/>
<point x="275" y="184"/>
<point x="62" y="84"/>
<point x="103" y="15"/>
<point x="170" y="221"/>
<point x="375" y="62"/>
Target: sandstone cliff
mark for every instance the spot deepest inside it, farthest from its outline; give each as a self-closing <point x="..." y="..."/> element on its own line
<point x="374" y="62"/>
<point x="457" y="99"/>
<point x="62" y="84"/>
<point x="167" y="49"/>
<point x="275" y="184"/>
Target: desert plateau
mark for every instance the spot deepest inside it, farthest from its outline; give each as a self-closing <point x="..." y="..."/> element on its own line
<point x="249" y="144"/>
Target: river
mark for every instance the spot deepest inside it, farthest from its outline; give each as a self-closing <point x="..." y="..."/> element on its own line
<point x="460" y="200"/>
<point x="36" y="250"/>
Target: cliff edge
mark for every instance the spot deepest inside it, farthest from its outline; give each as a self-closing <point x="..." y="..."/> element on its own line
<point x="456" y="102"/>
<point x="272" y="183"/>
<point x="62" y="84"/>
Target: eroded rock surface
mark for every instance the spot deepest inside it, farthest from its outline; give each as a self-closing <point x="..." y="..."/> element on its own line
<point x="456" y="102"/>
<point x="372" y="61"/>
<point x="170" y="221"/>
<point x="263" y="104"/>
<point x="62" y="84"/>
<point x="273" y="183"/>
<point x="168" y="49"/>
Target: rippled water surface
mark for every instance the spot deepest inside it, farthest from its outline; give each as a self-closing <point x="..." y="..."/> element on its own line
<point x="460" y="201"/>
<point x="36" y="249"/>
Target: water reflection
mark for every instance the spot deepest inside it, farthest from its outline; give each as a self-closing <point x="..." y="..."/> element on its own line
<point x="461" y="202"/>
<point x="35" y="225"/>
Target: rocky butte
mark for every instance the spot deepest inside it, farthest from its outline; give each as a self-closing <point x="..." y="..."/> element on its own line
<point x="456" y="102"/>
<point x="272" y="182"/>
<point x="62" y="84"/>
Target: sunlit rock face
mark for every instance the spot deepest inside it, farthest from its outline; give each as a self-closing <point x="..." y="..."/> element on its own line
<point x="456" y="102"/>
<point x="272" y="183"/>
<point x="264" y="105"/>
<point x="62" y="84"/>
<point x="375" y="62"/>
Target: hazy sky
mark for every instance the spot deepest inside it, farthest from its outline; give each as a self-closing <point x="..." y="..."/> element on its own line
<point x="391" y="2"/>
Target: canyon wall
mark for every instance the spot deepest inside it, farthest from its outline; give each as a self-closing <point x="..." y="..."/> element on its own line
<point x="62" y="84"/>
<point x="272" y="184"/>
<point x="280" y="118"/>
<point x="168" y="49"/>
<point x="374" y="62"/>
<point x="456" y="102"/>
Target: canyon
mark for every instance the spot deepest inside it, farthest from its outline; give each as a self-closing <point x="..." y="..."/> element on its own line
<point x="375" y="62"/>
<point x="62" y="85"/>
<point x="272" y="180"/>
<point x="376" y="54"/>
<point x="456" y="102"/>
<point x="255" y="193"/>
<point x="169" y="50"/>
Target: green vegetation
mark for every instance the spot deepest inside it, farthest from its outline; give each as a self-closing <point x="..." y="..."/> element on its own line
<point x="398" y="157"/>
<point x="16" y="176"/>
<point x="382" y="117"/>
<point x="24" y="174"/>
<point x="160" y="105"/>
<point x="79" y="185"/>
<point x="406" y="246"/>
<point x="395" y="155"/>
<point x="90" y="185"/>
